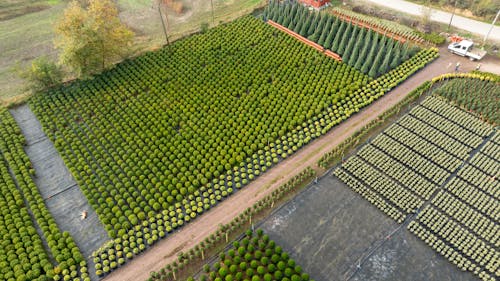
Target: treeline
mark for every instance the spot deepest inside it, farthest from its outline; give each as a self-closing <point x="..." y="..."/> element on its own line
<point x="363" y="49"/>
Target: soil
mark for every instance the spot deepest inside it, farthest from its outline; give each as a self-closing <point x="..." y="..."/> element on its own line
<point x="193" y="233"/>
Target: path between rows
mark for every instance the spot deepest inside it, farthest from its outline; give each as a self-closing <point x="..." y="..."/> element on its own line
<point x="61" y="193"/>
<point x="464" y="23"/>
<point x="195" y="232"/>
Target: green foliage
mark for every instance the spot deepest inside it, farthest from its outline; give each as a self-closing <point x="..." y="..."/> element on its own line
<point x="338" y="36"/>
<point x="42" y="74"/>
<point x="366" y="48"/>
<point x="204" y="27"/>
<point x="353" y="57"/>
<point x="20" y="195"/>
<point x="91" y="39"/>
<point x="346" y="36"/>
<point x="258" y="270"/>
<point x="475" y="95"/>
<point x="371" y="55"/>
<point x="314" y="24"/>
<point x="325" y="31"/>
<point x="433" y="37"/>
<point x="351" y="42"/>
<point x="378" y="59"/>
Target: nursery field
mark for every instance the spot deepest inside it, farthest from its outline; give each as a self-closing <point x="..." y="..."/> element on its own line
<point x="436" y="169"/>
<point x="32" y="245"/>
<point x="254" y="257"/>
<point x="341" y="230"/>
<point x="160" y="139"/>
<point x="369" y="51"/>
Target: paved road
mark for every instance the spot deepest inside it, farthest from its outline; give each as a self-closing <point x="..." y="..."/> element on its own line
<point x="470" y="25"/>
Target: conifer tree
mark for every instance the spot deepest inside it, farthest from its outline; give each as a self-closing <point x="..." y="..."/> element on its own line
<point x="322" y="23"/>
<point x="371" y="55"/>
<point x="325" y="31"/>
<point x="338" y="36"/>
<point x="396" y="54"/>
<point x="286" y="16"/>
<point x="313" y="25"/>
<point x="384" y="67"/>
<point x="404" y="54"/>
<point x="357" y="47"/>
<point x="293" y="11"/>
<point x="319" y="29"/>
<point x="378" y="58"/>
<point x="352" y="41"/>
<point x="345" y="39"/>
<point x="335" y="25"/>
<point x="305" y="26"/>
<point x="364" y="52"/>
<point x="285" y="20"/>
<point x="301" y="15"/>
<point x="329" y="39"/>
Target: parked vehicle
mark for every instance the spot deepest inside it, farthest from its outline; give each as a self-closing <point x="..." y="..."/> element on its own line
<point x="465" y="48"/>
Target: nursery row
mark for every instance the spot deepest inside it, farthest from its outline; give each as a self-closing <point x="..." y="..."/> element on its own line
<point x="255" y="258"/>
<point x="384" y="26"/>
<point x="298" y="137"/>
<point x="397" y="194"/>
<point x="372" y="196"/>
<point x="153" y="131"/>
<point x="462" y="234"/>
<point x="173" y="132"/>
<point x="22" y="252"/>
<point x="119" y="250"/>
<point x="364" y="49"/>
<point x="342" y="149"/>
<point x="464" y="119"/>
<point x="475" y="95"/>
<point x="417" y="154"/>
<point x="314" y="127"/>
<point x="435" y="136"/>
<point x="458" y="132"/>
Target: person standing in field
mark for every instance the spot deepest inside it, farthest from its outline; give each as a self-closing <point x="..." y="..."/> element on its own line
<point x="457" y="66"/>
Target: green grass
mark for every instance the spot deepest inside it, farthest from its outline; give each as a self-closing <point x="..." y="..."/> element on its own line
<point x="10" y="9"/>
<point x="22" y="39"/>
<point x="25" y="37"/>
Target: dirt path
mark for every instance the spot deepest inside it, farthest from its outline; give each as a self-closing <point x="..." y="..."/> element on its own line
<point x="193" y="233"/>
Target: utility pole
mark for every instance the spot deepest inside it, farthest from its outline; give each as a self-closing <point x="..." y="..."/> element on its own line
<point x="453" y="14"/>
<point x="491" y="28"/>
<point x="162" y="22"/>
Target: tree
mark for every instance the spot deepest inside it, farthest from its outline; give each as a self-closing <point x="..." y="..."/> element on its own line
<point x="336" y="40"/>
<point x="91" y="39"/>
<point x="378" y="59"/>
<point x="314" y="24"/>
<point x="345" y="39"/>
<point x="384" y="67"/>
<point x="42" y="74"/>
<point x="369" y="59"/>
<point x="306" y="24"/>
<point x="366" y="47"/>
<point x="326" y="31"/>
<point x="395" y="61"/>
<point x="357" y="48"/>
<point x="352" y="40"/>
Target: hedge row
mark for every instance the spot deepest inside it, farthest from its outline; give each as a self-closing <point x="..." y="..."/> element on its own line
<point x="22" y="255"/>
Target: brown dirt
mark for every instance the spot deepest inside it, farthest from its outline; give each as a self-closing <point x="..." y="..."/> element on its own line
<point x="195" y="232"/>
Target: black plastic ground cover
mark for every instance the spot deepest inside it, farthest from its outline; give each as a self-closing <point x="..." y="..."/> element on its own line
<point x="61" y="193"/>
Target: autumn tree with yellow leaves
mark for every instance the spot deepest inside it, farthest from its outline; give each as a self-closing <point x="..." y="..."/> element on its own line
<point x="91" y="39"/>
